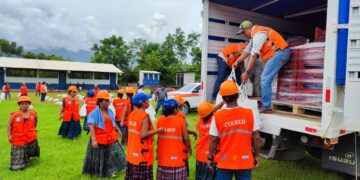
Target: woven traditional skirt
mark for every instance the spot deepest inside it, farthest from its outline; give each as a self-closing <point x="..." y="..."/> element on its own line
<point x="171" y="173"/>
<point x="135" y="172"/>
<point x="203" y="172"/>
<point x="104" y="161"/>
<point x="20" y="155"/>
<point x="70" y="129"/>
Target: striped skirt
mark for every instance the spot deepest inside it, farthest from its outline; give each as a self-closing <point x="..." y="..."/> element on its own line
<point x="104" y="161"/>
<point x="70" y="129"/>
<point x="20" y="155"/>
<point x="203" y="172"/>
<point x="171" y="173"/>
<point x="135" y="172"/>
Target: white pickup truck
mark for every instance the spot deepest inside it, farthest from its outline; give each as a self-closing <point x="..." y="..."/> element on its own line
<point x="333" y="136"/>
<point x="191" y="93"/>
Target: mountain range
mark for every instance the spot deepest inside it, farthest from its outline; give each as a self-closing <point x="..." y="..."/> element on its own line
<point x="81" y="55"/>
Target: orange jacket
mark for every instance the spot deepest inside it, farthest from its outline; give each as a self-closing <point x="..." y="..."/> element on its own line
<point x="23" y="90"/>
<point x="232" y="52"/>
<point x="274" y="42"/>
<point x="171" y="150"/>
<point x="107" y="135"/>
<point x="7" y="89"/>
<point x="119" y="105"/>
<point x="71" y="109"/>
<point x="235" y="125"/>
<point x="23" y="132"/>
<point x="38" y="87"/>
<point x="139" y="151"/>
<point x="203" y="142"/>
<point x="43" y="89"/>
<point x="91" y="103"/>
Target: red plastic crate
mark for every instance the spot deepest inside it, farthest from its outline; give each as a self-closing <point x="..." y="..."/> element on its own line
<point x="319" y="35"/>
<point x="314" y="86"/>
<point x="287" y="74"/>
<point x="310" y="64"/>
<point x="309" y="74"/>
<point x="286" y="97"/>
<point x="309" y="99"/>
<point x="287" y="86"/>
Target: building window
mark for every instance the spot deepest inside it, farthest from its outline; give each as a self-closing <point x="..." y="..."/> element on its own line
<point x="80" y="75"/>
<point x="48" y="74"/>
<point x="29" y="73"/>
<point x="101" y="76"/>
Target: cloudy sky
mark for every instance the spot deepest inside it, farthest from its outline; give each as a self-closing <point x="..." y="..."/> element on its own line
<point x="77" y="24"/>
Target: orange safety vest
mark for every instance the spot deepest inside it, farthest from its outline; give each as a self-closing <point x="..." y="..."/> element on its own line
<point x="71" y="109"/>
<point x="119" y="105"/>
<point x="203" y="142"/>
<point x="232" y="52"/>
<point x="128" y="110"/>
<point x="235" y="125"/>
<point x="23" y="90"/>
<point x="42" y="89"/>
<point x="7" y="89"/>
<point x="139" y="151"/>
<point x="274" y="42"/>
<point x="23" y="132"/>
<point x="107" y="135"/>
<point x="38" y="87"/>
<point x="91" y="103"/>
<point x="171" y="150"/>
<point x="96" y="90"/>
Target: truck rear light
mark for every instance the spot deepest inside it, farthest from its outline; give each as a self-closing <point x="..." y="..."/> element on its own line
<point x="311" y="130"/>
<point x="315" y="141"/>
<point x="304" y="139"/>
<point x="327" y="96"/>
<point x="342" y="131"/>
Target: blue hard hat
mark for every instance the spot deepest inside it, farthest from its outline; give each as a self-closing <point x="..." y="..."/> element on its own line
<point x="91" y="93"/>
<point x="140" y="98"/>
<point x="170" y="103"/>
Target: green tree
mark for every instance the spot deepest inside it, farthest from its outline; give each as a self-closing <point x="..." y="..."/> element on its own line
<point x="10" y="49"/>
<point x="30" y="55"/>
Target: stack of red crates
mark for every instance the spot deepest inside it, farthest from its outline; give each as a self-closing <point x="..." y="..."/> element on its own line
<point x="300" y="80"/>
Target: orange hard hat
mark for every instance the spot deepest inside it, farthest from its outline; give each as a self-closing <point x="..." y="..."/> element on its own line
<point x="130" y="90"/>
<point x="121" y="91"/>
<point x="179" y="99"/>
<point x="228" y="88"/>
<point x="72" y="88"/>
<point x="103" y="94"/>
<point x="204" y="109"/>
<point x="24" y="99"/>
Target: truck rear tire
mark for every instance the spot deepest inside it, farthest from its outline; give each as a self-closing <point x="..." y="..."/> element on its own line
<point x="294" y="153"/>
<point x="314" y="152"/>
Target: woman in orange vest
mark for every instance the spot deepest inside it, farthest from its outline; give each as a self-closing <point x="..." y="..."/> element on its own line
<point x="70" y="127"/>
<point x="23" y="90"/>
<point x="38" y="88"/>
<point x="140" y="150"/>
<point x="271" y="47"/>
<point x="22" y="135"/>
<point x="129" y="108"/>
<point x="235" y="133"/>
<point x="120" y="108"/>
<point x="104" y="156"/>
<point x="173" y="144"/>
<point x="43" y="91"/>
<point x="205" y="111"/>
<point x="91" y="102"/>
<point x="7" y="90"/>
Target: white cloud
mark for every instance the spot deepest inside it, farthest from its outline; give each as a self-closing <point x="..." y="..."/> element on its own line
<point x="157" y="22"/>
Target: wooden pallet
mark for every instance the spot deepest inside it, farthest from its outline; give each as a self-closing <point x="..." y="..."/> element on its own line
<point x="297" y="109"/>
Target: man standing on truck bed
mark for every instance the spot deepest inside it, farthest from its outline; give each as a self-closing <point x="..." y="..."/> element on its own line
<point x="273" y="50"/>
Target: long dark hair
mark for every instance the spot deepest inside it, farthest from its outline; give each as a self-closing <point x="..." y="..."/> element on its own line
<point x="208" y="117"/>
<point x="169" y="111"/>
<point x="230" y="98"/>
<point x="130" y="95"/>
<point x="120" y="95"/>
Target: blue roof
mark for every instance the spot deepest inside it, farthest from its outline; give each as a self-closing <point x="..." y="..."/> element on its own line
<point x="282" y="8"/>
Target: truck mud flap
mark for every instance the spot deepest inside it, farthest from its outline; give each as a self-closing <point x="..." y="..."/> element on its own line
<point x="342" y="158"/>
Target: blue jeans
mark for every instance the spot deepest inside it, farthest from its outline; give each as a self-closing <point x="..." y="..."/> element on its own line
<point x="271" y="68"/>
<point x="223" y="72"/>
<point x="158" y="105"/>
<point x="43" y="95"/>
<point x="225" y="174"/>
<point x="7" y="95"/>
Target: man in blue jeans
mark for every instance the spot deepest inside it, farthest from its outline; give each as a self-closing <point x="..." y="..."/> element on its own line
<point x="161" y="96"/>
<point x="272" y="49"/>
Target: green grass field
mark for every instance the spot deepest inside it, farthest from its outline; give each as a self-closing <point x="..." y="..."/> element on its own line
<point x="63" y="158"/>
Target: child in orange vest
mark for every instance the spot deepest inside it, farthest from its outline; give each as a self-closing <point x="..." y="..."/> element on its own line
<point x="104" y="156"/>
<point x="23" y="90"/>
<point x="70" y="127"/>
<point x="120" y="108"/>
<point x="140" y="150"/>
<point x="173" y="145"/>
<point x="22" y="135"/>
<point x="91" y="102"/>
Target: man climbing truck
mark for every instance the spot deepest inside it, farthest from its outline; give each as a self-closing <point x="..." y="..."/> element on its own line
<point x="327" y="130"/>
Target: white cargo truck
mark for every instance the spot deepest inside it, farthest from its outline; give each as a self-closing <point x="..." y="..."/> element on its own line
<point x="333" y="137"/>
